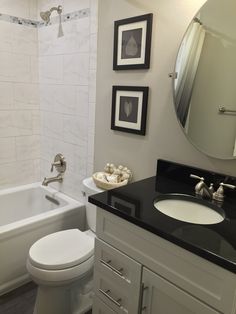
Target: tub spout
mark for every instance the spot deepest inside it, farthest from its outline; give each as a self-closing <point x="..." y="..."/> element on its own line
<point x="58" y="178"/>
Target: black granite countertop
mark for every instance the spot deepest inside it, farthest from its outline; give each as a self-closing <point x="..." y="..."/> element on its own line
<point x="135" y="203"/>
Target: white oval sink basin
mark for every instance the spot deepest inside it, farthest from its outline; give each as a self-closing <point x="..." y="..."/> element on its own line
<point x="189" y="211"/>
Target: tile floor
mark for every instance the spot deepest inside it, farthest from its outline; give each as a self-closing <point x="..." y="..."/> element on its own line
<point x="20" y="301"/>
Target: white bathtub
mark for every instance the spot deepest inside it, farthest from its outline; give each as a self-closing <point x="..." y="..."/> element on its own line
<point x="28" y="213"/>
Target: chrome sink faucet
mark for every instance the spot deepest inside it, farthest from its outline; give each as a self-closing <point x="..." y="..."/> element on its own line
<point x="208" y="192"/>
<point x="60" y="165"/>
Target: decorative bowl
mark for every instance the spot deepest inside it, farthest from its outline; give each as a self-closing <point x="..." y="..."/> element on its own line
<point x="107" y="185"/>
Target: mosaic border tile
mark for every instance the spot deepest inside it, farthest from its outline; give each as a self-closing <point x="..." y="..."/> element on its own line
<point x="55" y="20"/>
<point x="18" y="20"/>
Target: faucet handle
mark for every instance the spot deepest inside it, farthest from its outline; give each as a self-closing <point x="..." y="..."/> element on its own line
<point x="219" y="194"/>
<point x="199" y="185"/>
<point x="194" y="176"/>
<point x="59" y="163"/>
<point x="55" y="164"/>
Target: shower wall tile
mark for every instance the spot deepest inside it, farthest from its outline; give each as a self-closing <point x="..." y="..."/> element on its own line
<point x="27" y="171"/>
<point x="36" y="121"/>
<point x="8" y="150"/>
<point x="82" y="101"/>
<point x="75" y="130"/>
<point x="75" y="39"/>
<point x="94" y="16"/>
<point x="20" y="8"/>
<point x="25" y="96"/>
<point x="47" y="94"/>
<point x="76" y="69"/>
<point x="22" y="172"/>
<point x="34" y="65"/>
<point x="7" y="124"/>
<point x="51" y="69"/>
<point x="28" y="147"/>
<point x="23" y="122"/>
<point x="92" y="86"/>
<point x="19" y="101"/>
<point x="6" y="36"/>
<point x="52" y="125"/>
<point x="65" y="99"/>
<point x="6" y="99"/>
<point x="15" y="67"/>
<point x="24" y="40"/>
<point x="8" y="175"/>
<point x="67" y="67"/>
<point x="74" y="5"/>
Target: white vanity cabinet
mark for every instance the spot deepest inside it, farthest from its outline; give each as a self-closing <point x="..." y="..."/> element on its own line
<point x="138" y="272"/>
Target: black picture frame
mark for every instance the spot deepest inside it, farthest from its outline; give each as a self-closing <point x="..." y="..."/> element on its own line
<point x="129" y="109"/>
<point x="132" y="43"/>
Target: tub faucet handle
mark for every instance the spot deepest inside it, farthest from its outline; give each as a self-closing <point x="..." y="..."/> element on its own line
<point x="59" y="163"/>
<point x="55" y="164"/>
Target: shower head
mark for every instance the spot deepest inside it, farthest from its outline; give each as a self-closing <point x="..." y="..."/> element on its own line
<point x="45" y="16"/>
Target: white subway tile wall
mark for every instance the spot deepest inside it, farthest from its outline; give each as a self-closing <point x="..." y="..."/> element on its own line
<point x="47" y="87"/>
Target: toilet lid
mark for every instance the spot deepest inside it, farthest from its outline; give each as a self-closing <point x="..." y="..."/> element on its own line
<point x="61" y="250"/>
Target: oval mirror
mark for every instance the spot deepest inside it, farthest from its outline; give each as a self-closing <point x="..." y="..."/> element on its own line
<point x="204" y="82"/>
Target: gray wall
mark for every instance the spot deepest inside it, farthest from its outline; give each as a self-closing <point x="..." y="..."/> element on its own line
<point x="164" y="137"/>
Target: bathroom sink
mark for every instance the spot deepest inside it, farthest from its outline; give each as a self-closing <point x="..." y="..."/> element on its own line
<point x="189" y="209"/>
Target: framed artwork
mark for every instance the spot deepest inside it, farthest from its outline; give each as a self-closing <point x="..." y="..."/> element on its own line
<point x="129" y="109"/>
<point x="124" y="203"/>
<point x="132" y="43"/>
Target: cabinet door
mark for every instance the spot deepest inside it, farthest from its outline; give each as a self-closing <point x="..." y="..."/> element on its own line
<point x="101" y="308"/>
<point x="159" y="296"/>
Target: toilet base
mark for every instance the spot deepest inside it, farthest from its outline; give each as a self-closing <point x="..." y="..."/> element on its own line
<point x="75" y="298"/>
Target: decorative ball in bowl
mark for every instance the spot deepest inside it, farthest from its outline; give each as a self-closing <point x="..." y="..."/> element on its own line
<point x="112" y="177"/>
<point x="105" y="185"/>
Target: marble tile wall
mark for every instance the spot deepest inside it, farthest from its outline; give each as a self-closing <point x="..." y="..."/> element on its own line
<point x="19" y="100"/>
<point x="67" y="70"/>
<point x="47" y="88"/>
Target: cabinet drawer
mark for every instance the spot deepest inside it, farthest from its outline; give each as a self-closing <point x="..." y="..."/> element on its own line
<point x="110" y="261"/>
<point x="100" y="307"/>
<point x="122" y="297"/>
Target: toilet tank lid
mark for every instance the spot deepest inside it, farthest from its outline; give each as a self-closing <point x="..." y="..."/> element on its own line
<point x="90" y="187"/>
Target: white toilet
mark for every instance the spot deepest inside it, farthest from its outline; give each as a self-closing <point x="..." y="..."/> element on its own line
<point x="61" y="264"/>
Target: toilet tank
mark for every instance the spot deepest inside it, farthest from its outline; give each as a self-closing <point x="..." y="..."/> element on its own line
<point x="89" y="188"/>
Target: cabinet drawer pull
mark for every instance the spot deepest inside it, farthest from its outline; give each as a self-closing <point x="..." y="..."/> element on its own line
<point x="106" y="294"/>
<point x="141" y="307"/>
<point x="108" y="264"/>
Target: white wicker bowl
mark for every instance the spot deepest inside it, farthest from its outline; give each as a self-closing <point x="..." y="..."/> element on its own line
<point x="107" y="185"/>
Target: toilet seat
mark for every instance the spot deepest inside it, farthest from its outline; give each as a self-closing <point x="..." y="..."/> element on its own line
<point x="61" y="250"/>
<point x="61" y="276"/>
